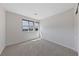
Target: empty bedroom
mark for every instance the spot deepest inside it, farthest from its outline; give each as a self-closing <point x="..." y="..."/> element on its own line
<point x="39" y="29"/>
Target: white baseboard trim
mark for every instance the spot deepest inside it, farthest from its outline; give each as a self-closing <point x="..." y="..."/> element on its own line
<point x="2" y="50"/>
<point x="21" y="42"/>
<point x="63" y="45"/>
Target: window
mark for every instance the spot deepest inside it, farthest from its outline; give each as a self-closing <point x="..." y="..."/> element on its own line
<point x="25" y="25"/>
<point x="36" y="26"/>
<point x="28" y="25"/>
<point x="31" y="25"/>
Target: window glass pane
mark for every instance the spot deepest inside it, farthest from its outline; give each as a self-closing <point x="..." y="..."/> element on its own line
<point x="30" y="23"/>
<point x="36" y="24"/>
<point x="25" y="23"/>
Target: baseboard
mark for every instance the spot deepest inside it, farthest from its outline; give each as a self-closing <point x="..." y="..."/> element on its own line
<point x="63" y="45"/>
<point x="21" y="42"/>
<point x="2" y="50"/>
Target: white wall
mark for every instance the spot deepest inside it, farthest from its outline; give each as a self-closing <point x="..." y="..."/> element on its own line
<point x="75" y="32"/>
<point x="2" y="29"/>
<point x="78" y="29"/>
<point x="60" y="29"/>
<point x="14" y="29"/>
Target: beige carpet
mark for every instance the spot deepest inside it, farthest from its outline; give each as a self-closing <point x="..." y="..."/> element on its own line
<point x="38" y="48"/>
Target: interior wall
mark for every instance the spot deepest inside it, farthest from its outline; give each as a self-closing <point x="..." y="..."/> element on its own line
<point x="2" y="29"/>
<point x="78" y="29"/>
<point x="60" y="29"/>
<point x="75" y="32"/>
<point x="14" y="29"/>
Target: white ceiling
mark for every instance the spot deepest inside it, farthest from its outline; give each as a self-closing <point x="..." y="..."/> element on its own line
<point x="38" y="10"/>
